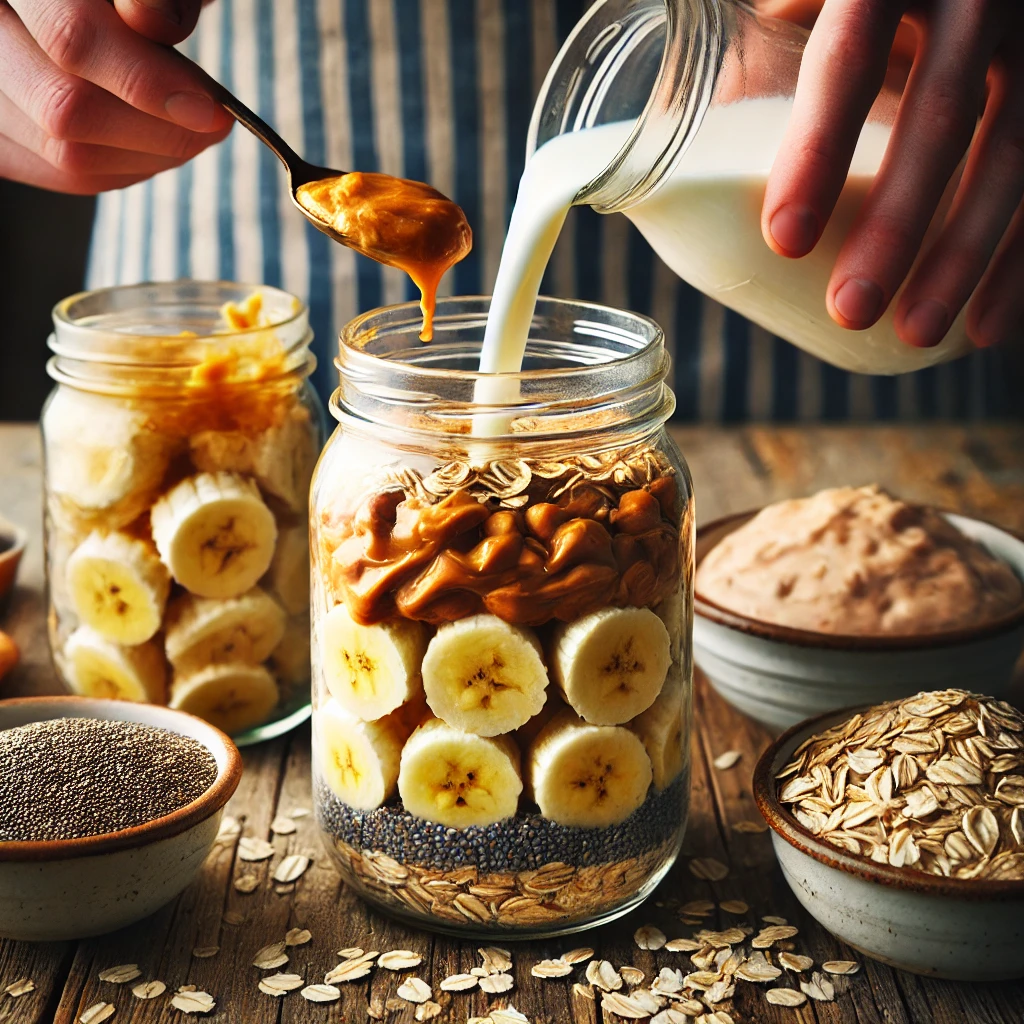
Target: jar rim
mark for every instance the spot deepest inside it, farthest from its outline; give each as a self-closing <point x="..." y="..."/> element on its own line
<point x="608" y="369"/>
<point x="153" y="335"/>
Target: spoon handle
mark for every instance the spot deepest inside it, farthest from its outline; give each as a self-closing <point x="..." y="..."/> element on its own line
<point x="248" y="119"/>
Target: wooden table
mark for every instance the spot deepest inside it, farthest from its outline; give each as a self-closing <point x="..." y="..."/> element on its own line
<point x="979" y="470"/>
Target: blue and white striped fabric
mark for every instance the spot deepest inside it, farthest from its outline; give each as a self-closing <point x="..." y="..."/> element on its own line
<point x="442" y="90"/>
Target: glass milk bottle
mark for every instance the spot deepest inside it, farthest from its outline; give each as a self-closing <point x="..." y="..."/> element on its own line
<point x="502" y="624"/>
<point x="672" y="111"/>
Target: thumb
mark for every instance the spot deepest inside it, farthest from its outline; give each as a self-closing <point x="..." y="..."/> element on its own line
<point x="162" y="21"/>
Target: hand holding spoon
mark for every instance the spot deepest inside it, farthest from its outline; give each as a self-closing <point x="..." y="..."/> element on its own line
<point x="395" y="221"/>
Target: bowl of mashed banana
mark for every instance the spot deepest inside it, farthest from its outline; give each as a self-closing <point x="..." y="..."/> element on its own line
<point x="854" y="596"/>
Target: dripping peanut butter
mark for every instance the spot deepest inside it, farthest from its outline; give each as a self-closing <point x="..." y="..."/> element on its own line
<point x="398" y="222"/>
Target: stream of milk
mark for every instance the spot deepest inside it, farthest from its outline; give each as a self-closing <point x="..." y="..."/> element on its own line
<point x="704" y="222"/>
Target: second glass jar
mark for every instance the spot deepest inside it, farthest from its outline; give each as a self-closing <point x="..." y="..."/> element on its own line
<point x="501" y="621"/>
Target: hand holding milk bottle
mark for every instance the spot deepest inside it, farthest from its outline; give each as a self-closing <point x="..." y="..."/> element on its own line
<point x="716" y="129"/>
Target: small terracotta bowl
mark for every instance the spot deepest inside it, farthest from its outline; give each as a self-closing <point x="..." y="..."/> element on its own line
<point x="779" y="676"/>
<point x="70" y="889"/>
<point x="12" y="547"/>
<point x="944" y="927"/>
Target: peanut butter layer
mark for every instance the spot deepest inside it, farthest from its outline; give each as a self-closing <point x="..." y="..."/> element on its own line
<point x="402" y="223"/>
<point x="857" y="561"/>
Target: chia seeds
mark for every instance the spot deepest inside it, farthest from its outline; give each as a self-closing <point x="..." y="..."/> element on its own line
<point x="522" y="843"/>
<point x="68" y="778"/>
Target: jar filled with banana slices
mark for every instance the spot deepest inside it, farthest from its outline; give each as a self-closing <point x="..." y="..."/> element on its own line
<point x="502" y="613"/>
<point x="180" y="442"/>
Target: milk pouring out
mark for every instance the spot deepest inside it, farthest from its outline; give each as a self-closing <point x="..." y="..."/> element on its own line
<point x="704" y="222"/>
<point x="672" y="112"/>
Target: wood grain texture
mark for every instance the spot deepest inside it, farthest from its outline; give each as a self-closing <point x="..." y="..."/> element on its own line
<point x="980" y="471"/>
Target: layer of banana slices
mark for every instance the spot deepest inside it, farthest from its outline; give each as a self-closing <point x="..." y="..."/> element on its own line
<point x="97" y="667"/>
<point x="611" y="665"/>
<point x="371" y="670"/>
<point x="205" y="631"/>
<point x="118" y="586"/>
<point x="233" y="697"/>
<point x="483" y="675"/>
<point x="587" y="775"/>
<point x="458" y="778"/>
<point x="215" y="534"/>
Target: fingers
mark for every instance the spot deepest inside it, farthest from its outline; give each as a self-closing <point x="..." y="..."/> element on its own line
<point x="20" y="164"/>
<point x="997" y="309"/>
<point x="88" y="39"/>
<point x="841" y="72"/>
<point x="77" y="159"/>
<point x="988" y="195"/>
<point x="163" y="21"/>
<point x="70" y="109"/>
<point x="936" y="119"/>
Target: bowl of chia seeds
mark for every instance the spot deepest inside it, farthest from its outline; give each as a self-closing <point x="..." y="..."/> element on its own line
<point x="107" y="811"/>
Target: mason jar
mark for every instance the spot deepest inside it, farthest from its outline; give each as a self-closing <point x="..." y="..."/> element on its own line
<point x="179" y="446"/>
<point x="689" y="100"/>
<point x="501" y="621"/>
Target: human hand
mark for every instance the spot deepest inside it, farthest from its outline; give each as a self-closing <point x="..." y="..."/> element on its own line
<point x="93" y="98"/>
<point x="969" y="61"/>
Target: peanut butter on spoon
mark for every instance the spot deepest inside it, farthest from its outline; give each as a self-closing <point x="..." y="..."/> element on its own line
<point x="395" y="221"/>
<point x="401" y="223"/>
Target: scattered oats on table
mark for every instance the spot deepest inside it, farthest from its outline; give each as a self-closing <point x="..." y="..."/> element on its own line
<point x="414" y="990"/>
<point x="121" y="974"/>
<point x="96" y="1013"/>
<point x="785" y="997"/>
<point x="708" y="869"/>
<point x="795" y="962"/>
<point x="149" y="990"/>
<point x="247" y="883"/>
<point x="819" y="988"/>
<point x="577" y="956"/>
<point x="428" y="1010"/>
<point x="551" y="969"/>
<point x="279" y="985"/>
<point x="193" y="1002"/>
<point x="727" y="760"/>
<point x="291" y="868"/>
<point x="270" y="957"/>
<point x="749" y="827"/>
<point x="297" y="937"/>
<point x="632" y="976"/>
<point x="840" y="967"/>
<point x="495" y="984"/>
<point x="734" y="906"/>
<point x="21" y="987"/>
<point x="767" y="937"/>
<point x="283" y="825"/>
<point x="697" y="908"/>
<point x="399" y="960"/>
<point x="321" y="993"/>
<point x="649" y="937"/>
<point x="205" y="952"/>
<point x="459" y="983"/>
<point x="252" y="849"/>
<point x="601" y="974"/>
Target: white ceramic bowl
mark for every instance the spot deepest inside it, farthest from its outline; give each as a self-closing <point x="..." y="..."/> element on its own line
<point x="944" y="927"/>
<point x="779" y="675"/>
<point x="69" y="889"/>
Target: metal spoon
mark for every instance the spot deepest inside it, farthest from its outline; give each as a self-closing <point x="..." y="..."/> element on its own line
<point x="300" y="172"/>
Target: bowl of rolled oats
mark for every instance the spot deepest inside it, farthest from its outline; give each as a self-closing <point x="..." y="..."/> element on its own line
<point x="853" y="597"/>
<point x="900" y="828"/>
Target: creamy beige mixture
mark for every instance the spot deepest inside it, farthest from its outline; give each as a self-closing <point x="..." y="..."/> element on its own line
<point x="857" y="561"/>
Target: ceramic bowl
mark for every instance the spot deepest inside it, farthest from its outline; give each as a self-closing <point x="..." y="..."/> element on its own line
<point x="779" y="676"/>
<point x="69" y="889"/>
<point x="944" y="927"/>
<point x="12" y="547"/>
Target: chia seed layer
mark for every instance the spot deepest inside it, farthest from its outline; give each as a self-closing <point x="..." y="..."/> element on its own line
<point x="525" y="842"/>
<point x="68" y="778"/>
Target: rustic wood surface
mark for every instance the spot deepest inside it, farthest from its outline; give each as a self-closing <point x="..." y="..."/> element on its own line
<point x="979" y="470"/>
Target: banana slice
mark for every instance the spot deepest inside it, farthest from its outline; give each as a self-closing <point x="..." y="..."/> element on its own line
<point x="290" y="660"/>
<point x="662" y="730"/>
<point x="590" y="776"/>
<point x="484" y="675"/>
<point x="359" y="760"/>
<point x="95" y="667"/>
<point x="231" y="697"/>
<point x="611" y="664"/>
<point x="118" y="585"/>
<point x="215" y="534"/>
<point x="205" y="631"/>
<point x="281" y="458"/>
<point x="371" y="670"/>
<point x="288" y="577"/>
<point x="459" y="779"/>
<point x="102" y="456"/>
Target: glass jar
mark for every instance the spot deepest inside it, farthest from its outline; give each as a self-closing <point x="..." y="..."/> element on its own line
<point x="502" y="621"/>
<point x="692" y="98"/>
<point x="179" y="446"/>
